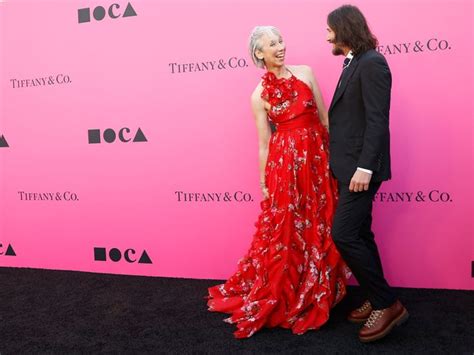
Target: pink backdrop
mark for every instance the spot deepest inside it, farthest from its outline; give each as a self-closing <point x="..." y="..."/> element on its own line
<point x="127" y="72"/>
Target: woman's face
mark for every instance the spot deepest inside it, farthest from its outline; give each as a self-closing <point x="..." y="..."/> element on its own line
<point x="272" y="50"/>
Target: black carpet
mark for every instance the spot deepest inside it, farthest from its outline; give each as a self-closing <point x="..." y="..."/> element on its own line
<point x="71" y="312"/>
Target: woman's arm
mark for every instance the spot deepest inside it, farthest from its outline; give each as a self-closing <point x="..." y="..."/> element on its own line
<point x="264" y="133"/>
<point x="322" y="111"/>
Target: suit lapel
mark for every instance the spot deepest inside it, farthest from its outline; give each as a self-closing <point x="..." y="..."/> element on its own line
<point x="346" y="77"/>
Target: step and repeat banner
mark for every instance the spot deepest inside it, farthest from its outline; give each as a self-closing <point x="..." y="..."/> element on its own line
<point x="128" y="146"/>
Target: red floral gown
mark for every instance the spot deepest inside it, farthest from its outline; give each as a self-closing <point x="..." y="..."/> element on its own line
<point x="292" y="274"/>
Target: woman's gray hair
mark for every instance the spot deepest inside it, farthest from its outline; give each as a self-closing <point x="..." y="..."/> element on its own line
<point x="254" y="42"/>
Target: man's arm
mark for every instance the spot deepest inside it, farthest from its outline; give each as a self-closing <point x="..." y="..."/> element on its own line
<point x="376" y="84"/>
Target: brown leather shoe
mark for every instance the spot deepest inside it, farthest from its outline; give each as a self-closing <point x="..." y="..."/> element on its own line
<point x="361" y="314"/>
<point x="381" y="322"/>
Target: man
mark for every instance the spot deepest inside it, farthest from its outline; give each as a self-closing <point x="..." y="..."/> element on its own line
<point x="360" y="161"/>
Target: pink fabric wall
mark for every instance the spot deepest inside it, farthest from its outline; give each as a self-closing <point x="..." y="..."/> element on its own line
<point x="118" y="73"/>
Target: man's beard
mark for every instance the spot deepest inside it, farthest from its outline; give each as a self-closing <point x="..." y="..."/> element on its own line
<point x="336" y="50"/>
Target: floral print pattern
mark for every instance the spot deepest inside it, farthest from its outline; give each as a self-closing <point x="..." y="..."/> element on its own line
<point x="292" y="274"/>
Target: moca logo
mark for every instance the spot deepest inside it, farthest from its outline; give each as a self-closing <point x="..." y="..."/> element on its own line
<point x="100" y="254"/>
<point x="8" y="252"/>
<point x="110" y="135"/>
<point x="84" y="15"/>
<point x="3" y="142"/>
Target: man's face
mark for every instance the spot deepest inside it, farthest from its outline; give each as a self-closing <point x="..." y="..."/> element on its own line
<point x="331" y="38"/>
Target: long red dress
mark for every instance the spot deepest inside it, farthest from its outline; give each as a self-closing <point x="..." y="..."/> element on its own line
<point x="292" y="274"/>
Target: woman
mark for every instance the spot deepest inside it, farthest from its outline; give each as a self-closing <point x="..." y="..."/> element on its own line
<point x="292" y="275"/>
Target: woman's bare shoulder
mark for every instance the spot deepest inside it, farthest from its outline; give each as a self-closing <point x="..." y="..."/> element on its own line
<point x="257" y="92"/>
<point x="301" y="69"/>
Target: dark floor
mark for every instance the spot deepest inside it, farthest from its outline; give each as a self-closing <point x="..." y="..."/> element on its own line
<point x="72" y="312"/>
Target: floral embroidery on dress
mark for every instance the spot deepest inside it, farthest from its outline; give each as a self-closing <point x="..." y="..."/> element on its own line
<point x="280" y="93"/>
<point x="292" y="274"/>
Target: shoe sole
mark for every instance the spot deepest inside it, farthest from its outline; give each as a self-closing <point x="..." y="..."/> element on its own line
<point x="402" y="318"/>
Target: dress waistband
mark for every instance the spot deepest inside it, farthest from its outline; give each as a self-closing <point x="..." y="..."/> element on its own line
<point x="303" y="121"/>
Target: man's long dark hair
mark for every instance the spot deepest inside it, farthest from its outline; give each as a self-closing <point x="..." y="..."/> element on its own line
<point x="351" y="29"/>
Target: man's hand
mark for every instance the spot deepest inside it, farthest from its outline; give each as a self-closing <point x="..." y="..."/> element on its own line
<point x="360" y="181"/>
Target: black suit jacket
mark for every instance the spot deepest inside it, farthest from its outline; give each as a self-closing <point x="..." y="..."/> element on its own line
<point x="359" y="119"/>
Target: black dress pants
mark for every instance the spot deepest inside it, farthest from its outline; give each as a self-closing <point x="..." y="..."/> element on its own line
<point x="353" y="236"/>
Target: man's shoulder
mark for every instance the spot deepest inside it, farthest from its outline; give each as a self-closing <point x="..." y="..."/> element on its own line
<point x="371" y="57"/>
